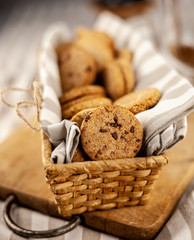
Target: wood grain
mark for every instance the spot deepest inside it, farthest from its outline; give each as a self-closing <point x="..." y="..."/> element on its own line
<point x="21" y="172"/>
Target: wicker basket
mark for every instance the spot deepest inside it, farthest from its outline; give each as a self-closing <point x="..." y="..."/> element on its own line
<point x="99" y="185"/>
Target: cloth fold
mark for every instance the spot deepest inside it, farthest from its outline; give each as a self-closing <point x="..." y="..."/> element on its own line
<point x="64" y="136"/>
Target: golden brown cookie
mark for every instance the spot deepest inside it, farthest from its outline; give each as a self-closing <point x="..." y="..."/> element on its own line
<point x="98" y="44"/>
<point x="113" y="80"/>
<point x="139" y="101"/>
<point x="76" y="67"/>
<point x="128" y="75"/>
<point x="111" y="132"/>
<point x="80" y="155"/>
<point x="80" y="116"/>
<point x="124" y="53"/>
<point x="67" y="113"/>
<point x="118" y="78"/>
<point x="82" y="91"/>
<point x="78" y="100"/>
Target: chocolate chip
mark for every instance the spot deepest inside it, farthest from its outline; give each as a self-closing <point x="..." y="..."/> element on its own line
<point x="115" y="124"/>
<point x="99" y="152"/>
<point x="126" y="132"/>
<point x="114" y="135"/>
<point x="88" y="69"/>
<point x="103" y="130"/>
<point x="138" y="140"/>
<point x="115" y="118"/>
<point x="132" y="129"/>
<point x="104" y="147"/>
<point x="87" y="118"/>
<point x="55" y="159"/>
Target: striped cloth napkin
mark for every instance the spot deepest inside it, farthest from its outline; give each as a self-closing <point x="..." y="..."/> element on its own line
<point x="164" y="125"/>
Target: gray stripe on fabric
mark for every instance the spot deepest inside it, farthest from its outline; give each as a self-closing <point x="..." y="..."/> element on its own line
<point x="171" y="82"/>
<point x="177" y="92"/>
<point x="178" y="227"/>
<point x="146" y="56"/>
<point x="187" y="210"/>
<point x="164" y="234"/>
<point x="22" y="217"/>
<point x="178" y="113"/>
<point x="89" y="234"/>
<point x="155" y="75"/>
<point x="55" y="223"/>
<point x="5" y="232"/>
<point x="51" y="105"/>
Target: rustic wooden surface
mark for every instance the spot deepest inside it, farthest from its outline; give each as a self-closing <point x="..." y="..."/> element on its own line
<point x="21" y="172"/>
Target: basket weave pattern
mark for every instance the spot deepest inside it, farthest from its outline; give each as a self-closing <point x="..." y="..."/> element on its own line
<point x="99" y="185"/>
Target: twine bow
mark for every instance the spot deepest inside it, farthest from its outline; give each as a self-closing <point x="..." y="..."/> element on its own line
<point x="36" y="93"/>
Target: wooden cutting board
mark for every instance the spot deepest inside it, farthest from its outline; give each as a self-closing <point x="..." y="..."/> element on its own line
<point x="21" y="172"/>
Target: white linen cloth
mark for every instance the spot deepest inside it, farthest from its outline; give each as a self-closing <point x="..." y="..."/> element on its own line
<point x="164" y="125"/>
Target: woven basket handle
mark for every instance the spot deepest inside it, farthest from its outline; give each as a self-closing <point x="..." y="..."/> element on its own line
<point x="33" y="233"/>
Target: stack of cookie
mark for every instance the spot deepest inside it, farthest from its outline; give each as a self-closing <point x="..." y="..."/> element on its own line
<point x="104" y="113"/>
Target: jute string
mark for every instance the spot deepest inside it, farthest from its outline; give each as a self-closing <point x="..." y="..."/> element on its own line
<point x="36" y="92"/>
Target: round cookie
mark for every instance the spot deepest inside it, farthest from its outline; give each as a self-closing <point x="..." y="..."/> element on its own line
<point x="124" y="53"/>
<point x="76" y="67"/>
<point x="111" y="132"/>
<point x="139" y="101"/>
<point x="80" y="116"/>
<point x="113" y="80"/>
<point x="79" y="106"/>
<point x="118" y="78"/>
<point x="78" y="100"/>
<point x="98" y="44"/>
<point x="128" y="75"/>
<point x="80" y="155"/>
<point x="82" y="91"/>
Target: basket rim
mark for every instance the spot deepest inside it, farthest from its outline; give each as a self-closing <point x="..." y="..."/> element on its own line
<point x="90" y="167"/>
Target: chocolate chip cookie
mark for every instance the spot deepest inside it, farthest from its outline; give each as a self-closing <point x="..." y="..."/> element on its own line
<point x="111" y="132"/>
<point x="76" y="66"/>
